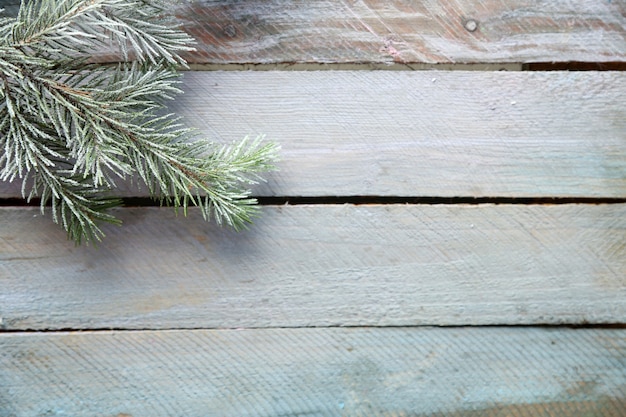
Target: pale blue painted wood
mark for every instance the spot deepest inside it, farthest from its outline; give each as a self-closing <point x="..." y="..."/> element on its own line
<point x="333" y="265"/>
<point x="315" y="372"/>
<point x="426" y="133"/>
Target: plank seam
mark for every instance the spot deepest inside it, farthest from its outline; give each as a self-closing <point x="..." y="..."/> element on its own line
<point x="414" y="66"/>
<point x="606" y="326"/>
<point x="433" y="200"/>
<point x="575" y="66"/>
<point x="365" y="200"/>
<point x="304" y="66"/>
<point x="355" y="66"/>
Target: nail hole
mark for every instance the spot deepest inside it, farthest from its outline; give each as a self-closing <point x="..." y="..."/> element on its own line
<point x="471" y="25"/>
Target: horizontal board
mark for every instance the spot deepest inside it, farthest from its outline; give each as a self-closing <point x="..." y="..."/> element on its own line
<point x="421" y="133"/>
<point x="421" y="372"/>
<point x="345" y="265"/>
<point x="400" y="31"/>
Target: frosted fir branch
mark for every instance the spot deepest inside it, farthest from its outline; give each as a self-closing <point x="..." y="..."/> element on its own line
<point x="66" y="28"/>
<point x="73" y="128"/>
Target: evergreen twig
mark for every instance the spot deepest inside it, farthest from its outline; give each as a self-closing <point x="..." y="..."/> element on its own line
<point x="71" y="128"/>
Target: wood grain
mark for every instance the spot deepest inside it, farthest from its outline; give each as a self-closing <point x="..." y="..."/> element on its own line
<point x="405" y="31"/>
<point x="420" y="133"/>
<point x="299" y="266"/>
<point x="400" y="31"/>
<point x="318" y="372"/>
<point x="302" y="271"/>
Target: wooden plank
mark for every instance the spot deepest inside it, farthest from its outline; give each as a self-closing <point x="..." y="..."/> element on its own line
<point x="319" y="372"/>
<point x="401" y="31"/>
<point x="390" y="265"/>
<point x="421" y="133"/>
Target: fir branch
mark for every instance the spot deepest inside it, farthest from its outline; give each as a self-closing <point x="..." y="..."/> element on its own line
<point x="74" y="128"/>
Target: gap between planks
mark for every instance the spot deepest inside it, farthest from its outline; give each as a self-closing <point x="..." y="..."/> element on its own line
<point x="361" y="200"/>
<point x="546" y="326"/>
<point x="413" y="66"/>
<point x="406" y="66"/>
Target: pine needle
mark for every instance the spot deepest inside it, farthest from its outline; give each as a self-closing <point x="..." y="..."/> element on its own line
<point x="72" y="128"/>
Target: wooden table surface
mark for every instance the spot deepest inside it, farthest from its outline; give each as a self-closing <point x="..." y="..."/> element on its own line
<point x="446" y="235"/>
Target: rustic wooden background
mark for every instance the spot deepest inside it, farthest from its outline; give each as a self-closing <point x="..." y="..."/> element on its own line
<point x="446" y="234"/>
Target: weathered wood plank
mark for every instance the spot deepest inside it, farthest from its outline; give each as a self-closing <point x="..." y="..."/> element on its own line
<point x="439" y="133"/>
<point x="319" y="372"/>
<point x="402" y="31"/>
<point x="321" y="266"/>
<point x="422" y="133"/>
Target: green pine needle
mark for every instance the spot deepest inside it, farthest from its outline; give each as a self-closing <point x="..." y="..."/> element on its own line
<point x="72" y="128"/>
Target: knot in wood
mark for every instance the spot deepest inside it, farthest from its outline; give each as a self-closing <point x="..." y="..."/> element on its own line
<point x="230" y="31"/>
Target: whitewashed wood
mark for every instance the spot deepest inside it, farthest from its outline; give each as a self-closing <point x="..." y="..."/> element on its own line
<point x="426" y="133"/>
<point x="393" y="265"/>
<point x="317" y="372"/>
<point x="439" y="133"/>
<point x="423" y="133"/>
<point x="400" y="31"/>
